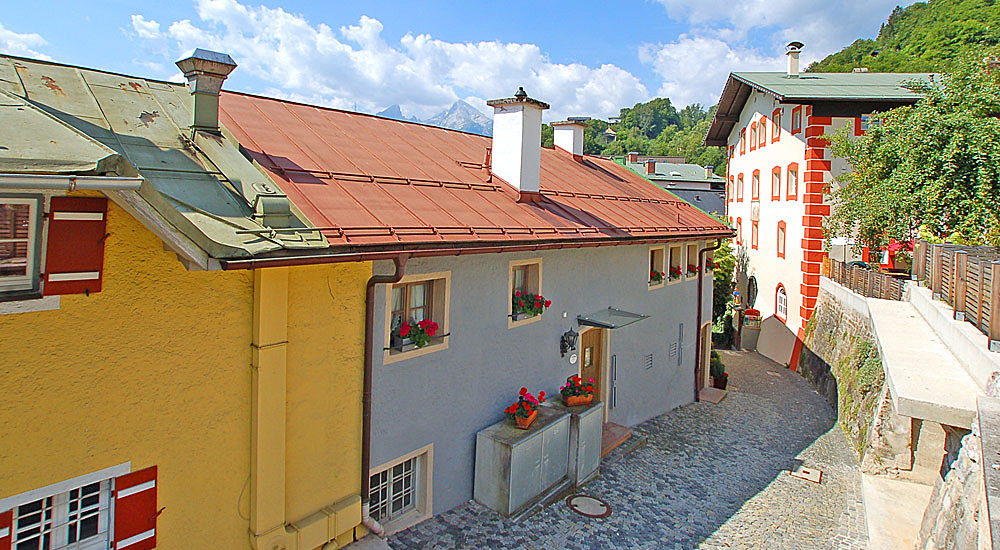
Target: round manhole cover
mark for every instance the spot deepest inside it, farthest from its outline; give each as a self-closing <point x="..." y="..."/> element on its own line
<point x="589" y="506"/>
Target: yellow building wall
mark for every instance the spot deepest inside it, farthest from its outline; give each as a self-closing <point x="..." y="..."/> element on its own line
<point x="326" y="306"/>
<point x="154" y="369"/>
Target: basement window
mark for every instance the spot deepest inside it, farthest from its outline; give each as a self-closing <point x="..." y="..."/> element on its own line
<point x="417" y="306"/>
<point x="399" y="492"/>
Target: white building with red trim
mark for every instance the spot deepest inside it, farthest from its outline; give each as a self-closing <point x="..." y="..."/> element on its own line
<point x="778" y="174"/>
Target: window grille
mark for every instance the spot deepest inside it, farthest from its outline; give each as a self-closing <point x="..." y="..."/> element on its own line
<point x="393" y="491"/>
<point x="74" y="520"/>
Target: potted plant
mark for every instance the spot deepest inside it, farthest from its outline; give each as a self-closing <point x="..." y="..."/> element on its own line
<point x="524" y="412"/>
<point x="675" y="272"/>
<point x="656" y="277"/>
<point x="718" y="371"/>
<point x="409" y="335"/>
<point x="526" y="304"/>
<point x="576" y="392"/>
<point x="692" y="269"/>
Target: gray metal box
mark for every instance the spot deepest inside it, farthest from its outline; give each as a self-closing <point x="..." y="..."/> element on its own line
<point x="514" y="467"/>
<point x="586" y="426"/>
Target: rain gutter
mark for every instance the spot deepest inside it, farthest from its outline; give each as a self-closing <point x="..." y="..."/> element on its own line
<point x="69" y="182"/>
<point x="697" y="338"/>
<point x="399" y="261"/>
<point x="418" y="252"/>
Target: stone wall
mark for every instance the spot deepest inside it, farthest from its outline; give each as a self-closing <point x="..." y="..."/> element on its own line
<point x="841" y="359"/>
<point x="952" y="519"/>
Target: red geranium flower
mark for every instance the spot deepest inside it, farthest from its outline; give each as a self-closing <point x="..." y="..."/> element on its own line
<point x="404" y="329"/>
<point x="548" y="303"/>
<point x="523" y="391"/>
<point x="518" y="293"/>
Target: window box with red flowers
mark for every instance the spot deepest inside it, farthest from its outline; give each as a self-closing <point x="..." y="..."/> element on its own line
<point x="656" y="277"/>
<point x="710" y="264"/>
<point x="576" y="392"/>
<point x="675" y="272"/>
<point x="525" y="411"/>
<point x="525" y="305"/>
<point x="692" y="270"/>
<point x="411" y="335"/>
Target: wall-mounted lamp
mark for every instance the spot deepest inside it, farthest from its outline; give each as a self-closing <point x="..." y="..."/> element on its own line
<point x="568" y="342"/>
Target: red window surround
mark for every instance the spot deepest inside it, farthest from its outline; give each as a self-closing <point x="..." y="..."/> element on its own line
<point x="743" y="141"/>
<point x="797" y="119"/>
<point x="776" y="125"/>
<point x="755" y="185"/>
<point x="792" y="181"/>
<point x="753" y="135"/>
<point x="729" y="189"/>
<point x="762" y="132"/>
<point x="776" y="183"/>
<point x="781" y="239"/>
<point x="753" y="235"/>
<point x="739" y="230"/>
<point x="739" y="188"/>
<point x="778" y="293"/>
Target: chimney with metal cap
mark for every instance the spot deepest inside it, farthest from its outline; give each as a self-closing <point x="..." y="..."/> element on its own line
<point x="568" y="135"/>
<point x="792" y="50"/>
<point x="517" y="142"/>
<point x="205" y="71"/>
<point x="650" y="166"/>
<point x="709" y="172"/>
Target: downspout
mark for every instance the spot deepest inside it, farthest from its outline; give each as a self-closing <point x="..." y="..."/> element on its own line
<point x="697" y="331"/>
<point x="366" y="401"/>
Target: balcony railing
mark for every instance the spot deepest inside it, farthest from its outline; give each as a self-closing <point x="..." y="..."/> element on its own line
<point x="866" y="282"/>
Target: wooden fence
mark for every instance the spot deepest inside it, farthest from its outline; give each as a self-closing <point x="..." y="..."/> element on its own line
<point x="967" y="278"/>
<point x="866" y="282"/>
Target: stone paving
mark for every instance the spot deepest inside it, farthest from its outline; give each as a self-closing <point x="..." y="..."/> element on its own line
<point x="709" y="477"/>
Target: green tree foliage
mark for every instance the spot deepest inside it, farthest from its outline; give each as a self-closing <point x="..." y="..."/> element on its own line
<point x="923" y="37"/>
<point x="722" y="292"/>
<point x="933" y="166"/>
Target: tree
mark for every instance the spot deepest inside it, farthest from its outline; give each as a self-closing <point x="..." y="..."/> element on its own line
<point x="650" y="118"/>
<point x="933" y="166"/>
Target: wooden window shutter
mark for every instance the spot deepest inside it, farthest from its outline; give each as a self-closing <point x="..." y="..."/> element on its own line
<point x="74" y="258"/>
<point x="135" y="510"/>
<point x="6" y="529"/>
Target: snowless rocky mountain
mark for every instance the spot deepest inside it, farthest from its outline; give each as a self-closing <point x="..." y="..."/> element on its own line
<point x="460" y="116"/>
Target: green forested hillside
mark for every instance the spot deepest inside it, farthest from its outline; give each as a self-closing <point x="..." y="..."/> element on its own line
<point x="922" y="37"/>
<point x="654" y="128"/>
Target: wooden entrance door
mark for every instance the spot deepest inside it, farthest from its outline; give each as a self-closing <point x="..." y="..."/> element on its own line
<point x="592" y="359"/>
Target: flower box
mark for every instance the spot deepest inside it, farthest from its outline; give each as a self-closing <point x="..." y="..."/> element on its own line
<point x="524" y="412"/>
<point x="524" y="422"/>
<point x="520" y="315"/>
<point x="578" y="400"/>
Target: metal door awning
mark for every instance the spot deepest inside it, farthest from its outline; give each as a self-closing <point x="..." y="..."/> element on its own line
<point x="610" y="318"/>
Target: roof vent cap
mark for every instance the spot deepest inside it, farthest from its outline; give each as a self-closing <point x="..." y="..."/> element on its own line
<point x="792" y="50"/>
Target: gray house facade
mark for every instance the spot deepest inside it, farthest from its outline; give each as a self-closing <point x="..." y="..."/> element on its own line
<point x="429" y="405"/>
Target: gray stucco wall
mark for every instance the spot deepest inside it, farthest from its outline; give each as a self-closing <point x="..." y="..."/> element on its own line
<point x="445" y="397"/>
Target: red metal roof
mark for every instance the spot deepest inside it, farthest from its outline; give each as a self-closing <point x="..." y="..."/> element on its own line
<point x="374" y="181"/>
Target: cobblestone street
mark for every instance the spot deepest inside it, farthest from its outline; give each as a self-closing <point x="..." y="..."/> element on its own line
<point x="709" y="476"/>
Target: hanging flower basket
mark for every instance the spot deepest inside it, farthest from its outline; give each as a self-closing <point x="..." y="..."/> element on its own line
<point x="524" y="412"/>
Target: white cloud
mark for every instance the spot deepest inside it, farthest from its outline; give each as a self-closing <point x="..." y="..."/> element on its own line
<point x="145" y="28"/>
<point x="750" y="35"/>
<point x="356" y="65"/>
<point x="21" y="44"/>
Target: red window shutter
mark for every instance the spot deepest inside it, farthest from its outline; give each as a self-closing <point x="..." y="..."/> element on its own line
<point x="135" y="510"/>
<point x="6" y="535"/>
<point x="74" y="258"/>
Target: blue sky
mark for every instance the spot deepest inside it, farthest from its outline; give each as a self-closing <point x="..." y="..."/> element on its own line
<point x="588" y="57"/>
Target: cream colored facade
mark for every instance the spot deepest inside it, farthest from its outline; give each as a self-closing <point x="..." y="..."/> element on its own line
<point x="242" y="387"/>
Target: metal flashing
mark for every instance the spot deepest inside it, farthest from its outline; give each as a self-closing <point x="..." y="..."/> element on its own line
<point x="610" y="318"/>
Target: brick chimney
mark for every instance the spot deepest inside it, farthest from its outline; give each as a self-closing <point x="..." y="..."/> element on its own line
<point x="568" y="135"/>
<point x="517" y="143"/>
<point x="632" y="157"/>
<point x="709" y="172"/>
<point x="206" y="71"/>
<point x="650" y="166"/>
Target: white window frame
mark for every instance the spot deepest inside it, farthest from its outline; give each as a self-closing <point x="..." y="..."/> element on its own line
<point x="781" y="306"/>
<point x="423" y="489"/>
<point x="28" y="282"/>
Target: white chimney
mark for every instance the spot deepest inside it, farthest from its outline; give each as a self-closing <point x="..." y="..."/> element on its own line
<point x="568" y="134"/>
<point x="206" y="71"/>
<point x="517" y="142"/>
<point x="792" y="50"/>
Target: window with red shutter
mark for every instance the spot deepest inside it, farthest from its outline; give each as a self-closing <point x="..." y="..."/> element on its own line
<point x="135" y="510"/>
<point x="5" y="527"/>
<point x="74" y="258"/>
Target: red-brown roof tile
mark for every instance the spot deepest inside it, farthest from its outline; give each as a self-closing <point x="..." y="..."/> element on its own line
<point x="373" y="181"/>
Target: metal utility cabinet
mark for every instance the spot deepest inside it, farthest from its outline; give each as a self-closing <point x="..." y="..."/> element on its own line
<point x="514" y="467"/>
<point x="585" y="428"/>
